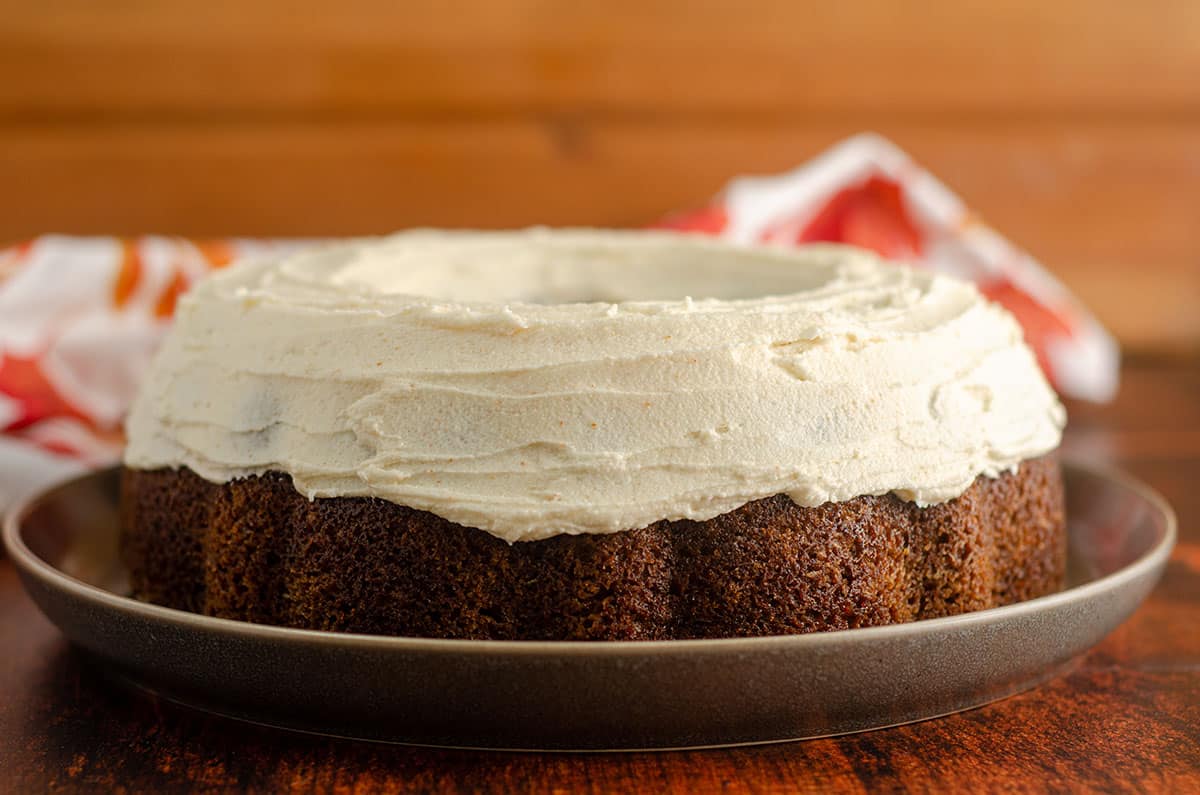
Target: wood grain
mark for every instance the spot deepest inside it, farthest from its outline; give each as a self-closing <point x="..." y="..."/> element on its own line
<point x="372" y="56"/>
<point x="1125" y="719"/>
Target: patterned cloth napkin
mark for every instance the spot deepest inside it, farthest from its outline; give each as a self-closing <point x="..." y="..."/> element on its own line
<point x="80" y="317"/>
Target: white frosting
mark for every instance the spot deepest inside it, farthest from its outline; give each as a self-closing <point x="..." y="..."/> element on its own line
<point x="544" y="382"/>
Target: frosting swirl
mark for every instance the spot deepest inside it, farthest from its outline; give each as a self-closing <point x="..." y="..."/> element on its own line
<point x="543" y="382"/>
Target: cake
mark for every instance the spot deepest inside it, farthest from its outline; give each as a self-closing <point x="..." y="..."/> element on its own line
<point x="584" y="435"/>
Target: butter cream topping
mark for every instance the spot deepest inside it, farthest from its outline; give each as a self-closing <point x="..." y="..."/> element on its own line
<point x="542" y="382"/>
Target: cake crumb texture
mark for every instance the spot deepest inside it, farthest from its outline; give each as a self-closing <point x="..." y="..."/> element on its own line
<point x="255" y="549"/>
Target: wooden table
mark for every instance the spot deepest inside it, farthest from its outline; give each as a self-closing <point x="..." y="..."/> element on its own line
<point x="1127" y="718"/>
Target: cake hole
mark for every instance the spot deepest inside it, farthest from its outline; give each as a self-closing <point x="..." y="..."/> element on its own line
<point x="563" y="268"/>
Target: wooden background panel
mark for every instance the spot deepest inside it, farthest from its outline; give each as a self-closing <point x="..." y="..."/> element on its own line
<point x="1074" y="127"/>
<point x="305" y="56"/>
<point x="1111" y="207"/>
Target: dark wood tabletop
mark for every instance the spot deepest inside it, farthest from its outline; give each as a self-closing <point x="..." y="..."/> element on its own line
<point x="1126" y="718"/>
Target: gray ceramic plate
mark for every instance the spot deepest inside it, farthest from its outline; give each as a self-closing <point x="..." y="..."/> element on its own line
<point x="597" y="695"/>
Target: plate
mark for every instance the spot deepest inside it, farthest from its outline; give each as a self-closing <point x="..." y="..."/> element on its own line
<point x="537" y="695"/>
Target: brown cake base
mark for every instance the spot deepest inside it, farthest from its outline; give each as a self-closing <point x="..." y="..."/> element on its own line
<point x="257" y="550"/>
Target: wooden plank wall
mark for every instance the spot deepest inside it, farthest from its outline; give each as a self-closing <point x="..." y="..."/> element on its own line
<point x="1073" y="126"/>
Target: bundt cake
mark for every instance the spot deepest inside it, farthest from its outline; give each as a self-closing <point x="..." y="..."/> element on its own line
<point x="590" y="436"/>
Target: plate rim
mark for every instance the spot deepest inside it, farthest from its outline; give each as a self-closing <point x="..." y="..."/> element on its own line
<point x="30" y="564"/>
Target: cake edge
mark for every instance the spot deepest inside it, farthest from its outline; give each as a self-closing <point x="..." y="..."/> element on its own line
<point x="255" y="549"/>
